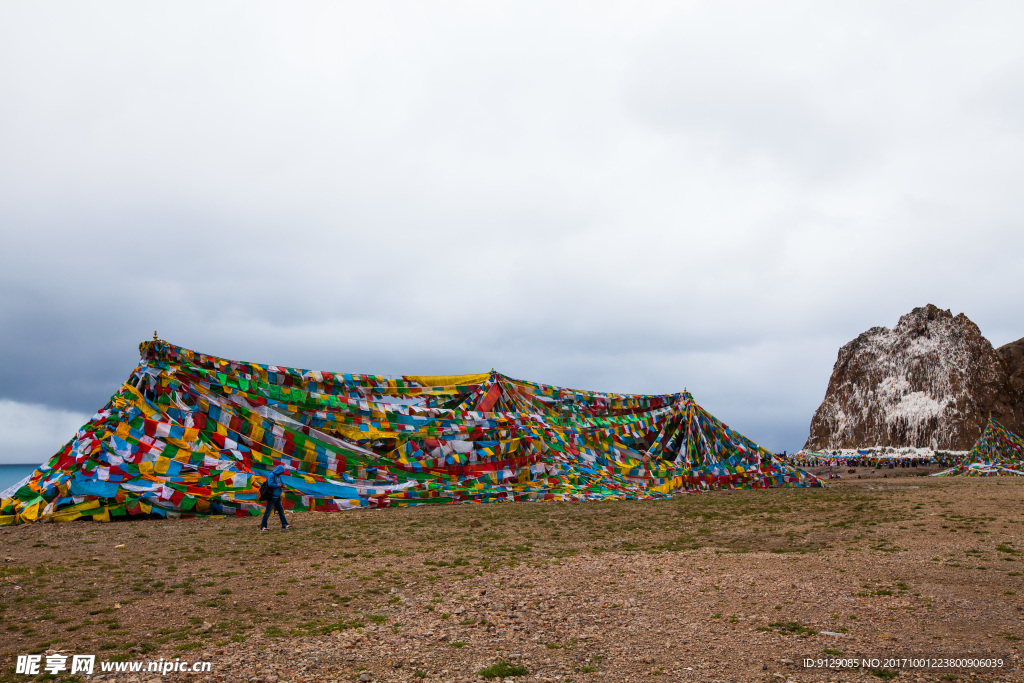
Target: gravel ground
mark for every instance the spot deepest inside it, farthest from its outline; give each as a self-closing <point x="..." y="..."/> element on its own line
<point x="729" y="586"/>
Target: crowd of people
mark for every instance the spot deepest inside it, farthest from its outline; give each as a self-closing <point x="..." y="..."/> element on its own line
<point x="875" y="461"/>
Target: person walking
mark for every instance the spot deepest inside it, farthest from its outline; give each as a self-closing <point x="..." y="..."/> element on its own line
<point x="274" y="501"/>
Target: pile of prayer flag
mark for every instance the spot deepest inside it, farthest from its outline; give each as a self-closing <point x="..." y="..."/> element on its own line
<point x="195" y="435"/>
<point x="997" y="452"/>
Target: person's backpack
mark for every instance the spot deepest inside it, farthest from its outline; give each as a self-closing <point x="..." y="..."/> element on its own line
<point x="264" y="491"/>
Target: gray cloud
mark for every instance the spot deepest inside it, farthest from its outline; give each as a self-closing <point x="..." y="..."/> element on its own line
<point x="33" y="432"/>
<point x="714" y="196"/>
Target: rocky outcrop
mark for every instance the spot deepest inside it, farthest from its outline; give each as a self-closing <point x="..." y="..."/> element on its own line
<point x="929" y="382"/>
<point x="1009" y="405"/>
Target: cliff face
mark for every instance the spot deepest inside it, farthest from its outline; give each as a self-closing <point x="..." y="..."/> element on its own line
<point x="931" y="382"/>
<point x="1009" y="405"/>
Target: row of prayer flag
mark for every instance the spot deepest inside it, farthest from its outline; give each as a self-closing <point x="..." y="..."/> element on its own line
<point x="190" y="434"/>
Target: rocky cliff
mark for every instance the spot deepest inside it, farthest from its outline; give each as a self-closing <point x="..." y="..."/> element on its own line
<point x="931" y="382"/>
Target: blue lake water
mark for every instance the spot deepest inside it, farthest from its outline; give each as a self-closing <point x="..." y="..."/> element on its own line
<point x="11" y="474"/>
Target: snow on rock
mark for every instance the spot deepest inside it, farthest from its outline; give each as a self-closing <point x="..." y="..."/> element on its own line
<point x="886" y="452"/>
<point x="929" y="382"/>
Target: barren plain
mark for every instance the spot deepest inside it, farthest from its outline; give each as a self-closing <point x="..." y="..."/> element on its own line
<point x="726" y="586"/>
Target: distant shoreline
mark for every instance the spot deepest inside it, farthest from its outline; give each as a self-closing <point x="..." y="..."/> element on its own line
<point x="12" y="473"/>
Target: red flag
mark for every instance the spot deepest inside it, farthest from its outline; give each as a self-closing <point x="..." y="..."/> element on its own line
<point x="489" y="399"/>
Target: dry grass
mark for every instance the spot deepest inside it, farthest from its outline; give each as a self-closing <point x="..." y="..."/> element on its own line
<point x="931" y="564"/>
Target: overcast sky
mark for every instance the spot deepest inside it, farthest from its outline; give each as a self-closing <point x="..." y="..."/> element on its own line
<point x="634" y="197"/>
